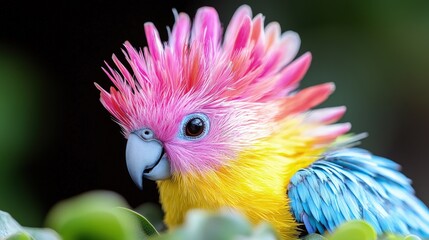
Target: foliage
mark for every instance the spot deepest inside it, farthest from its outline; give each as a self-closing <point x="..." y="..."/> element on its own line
<point x="103" y="215"/>
<point x="11" y="230"/>
<point x="94" y="215"/>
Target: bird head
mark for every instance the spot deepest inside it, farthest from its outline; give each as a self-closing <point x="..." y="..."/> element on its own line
<point x="194" y="102"/>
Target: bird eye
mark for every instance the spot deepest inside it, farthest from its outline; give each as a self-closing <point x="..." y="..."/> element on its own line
<point x="194" y="126"/>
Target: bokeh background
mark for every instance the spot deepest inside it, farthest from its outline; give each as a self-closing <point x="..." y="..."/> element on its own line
<point x="56" y="140"/>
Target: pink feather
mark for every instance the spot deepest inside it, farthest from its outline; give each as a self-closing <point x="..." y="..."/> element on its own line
<point x="244" y="84"/>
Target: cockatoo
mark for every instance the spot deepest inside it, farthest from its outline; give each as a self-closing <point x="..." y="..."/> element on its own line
<point x="217" y="120"/>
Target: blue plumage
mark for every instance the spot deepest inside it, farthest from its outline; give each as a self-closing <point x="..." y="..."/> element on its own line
<point x="351" y="184"/>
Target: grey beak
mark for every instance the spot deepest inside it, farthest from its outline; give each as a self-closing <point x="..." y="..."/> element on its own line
<point x="146" y="158"/>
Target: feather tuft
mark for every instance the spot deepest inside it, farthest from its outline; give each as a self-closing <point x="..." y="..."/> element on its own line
<point x="253" y="64"/>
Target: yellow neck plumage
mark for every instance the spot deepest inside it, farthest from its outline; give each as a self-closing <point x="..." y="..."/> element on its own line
<point x="255" y="183"/>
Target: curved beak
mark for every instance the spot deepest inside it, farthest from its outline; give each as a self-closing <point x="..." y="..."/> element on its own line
<point x="146" y="158"/>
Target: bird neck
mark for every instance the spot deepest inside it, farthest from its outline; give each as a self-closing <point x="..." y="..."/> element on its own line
<point x="255" y="183"/>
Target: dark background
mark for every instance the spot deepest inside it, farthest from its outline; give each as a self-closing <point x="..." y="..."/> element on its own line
<point x="57" y="141"/>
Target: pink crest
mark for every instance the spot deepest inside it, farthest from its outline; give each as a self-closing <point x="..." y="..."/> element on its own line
<point x="243" y="81"/>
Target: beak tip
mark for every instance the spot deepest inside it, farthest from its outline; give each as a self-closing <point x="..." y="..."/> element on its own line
<point x="137" y="178"/>
<point x="139" y="182"/>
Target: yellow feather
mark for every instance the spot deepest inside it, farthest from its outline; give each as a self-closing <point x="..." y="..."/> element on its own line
<point x="255" y="183"/>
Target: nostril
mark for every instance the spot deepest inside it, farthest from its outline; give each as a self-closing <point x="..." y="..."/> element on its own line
<point x="146" y="134"/>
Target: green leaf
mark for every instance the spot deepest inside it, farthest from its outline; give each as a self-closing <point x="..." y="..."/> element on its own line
<point x="8" y="225"/>
<point x="354" y="230"/>
<point x="11" y="230"/>
<point x="390" y="236"/>
<point x="412" y="237"/>
<point x="147" y="227"/>
<point x="154" y="214"/>
<point x="20" y="236"/>
<point x="94" y="216"/>
<point x="225" y="224"/>
<point x="263" y="231"/>
<point x="42" y="233"/>
<point x="314" y="236"/>
<point x="177" y="234"/>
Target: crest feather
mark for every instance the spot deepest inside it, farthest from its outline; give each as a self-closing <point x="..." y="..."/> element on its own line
<point x="252" y="64"/>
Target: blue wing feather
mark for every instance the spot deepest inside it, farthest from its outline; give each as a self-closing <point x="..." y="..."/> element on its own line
<point x="354" y="184"/>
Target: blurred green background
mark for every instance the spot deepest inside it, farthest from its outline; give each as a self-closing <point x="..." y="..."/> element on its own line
<point x="56" y="141"/>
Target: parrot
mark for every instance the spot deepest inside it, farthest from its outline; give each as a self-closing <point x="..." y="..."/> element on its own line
<point x="217" y="118"/>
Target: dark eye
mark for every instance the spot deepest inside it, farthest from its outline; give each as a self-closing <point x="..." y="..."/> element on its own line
<point x="194" y="126"/>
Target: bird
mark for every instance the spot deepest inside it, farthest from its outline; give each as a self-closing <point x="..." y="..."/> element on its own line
<point x="218" y="119"/>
